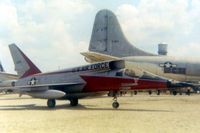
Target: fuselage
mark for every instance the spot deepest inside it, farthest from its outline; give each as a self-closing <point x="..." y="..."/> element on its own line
<point x="176" y="68"/>
<point x="80" y="82"/>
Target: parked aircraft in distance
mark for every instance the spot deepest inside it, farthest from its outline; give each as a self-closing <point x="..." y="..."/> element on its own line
<point x="79" y="82"/>
<point x="109" y="43"/>
<point x="1" y="68"/>
<point x="6" y="79"/>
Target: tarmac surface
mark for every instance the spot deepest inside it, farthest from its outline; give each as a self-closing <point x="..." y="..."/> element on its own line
<point x="137" y="114"/>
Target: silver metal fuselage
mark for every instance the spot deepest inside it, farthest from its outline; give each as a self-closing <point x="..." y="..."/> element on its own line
<point x="59" y="79"/>
<point x="183" y="69"/>
<point x="7" y="79"/>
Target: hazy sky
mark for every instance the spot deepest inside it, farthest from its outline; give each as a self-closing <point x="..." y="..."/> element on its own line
<point x="53" y="32"/>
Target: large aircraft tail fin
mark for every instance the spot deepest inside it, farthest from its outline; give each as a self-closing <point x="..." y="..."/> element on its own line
<point x="108" y="38"/>
<point x="23" y="65"/>
<point x="1" y="68"/>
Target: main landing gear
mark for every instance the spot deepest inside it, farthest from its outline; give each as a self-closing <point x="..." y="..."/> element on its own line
<point x="51" y="103"/>
<point x="158" y="92"/>
<point x="74" y="102"/>
<point x="150" y="92"/>
<point x="115" y="104"/>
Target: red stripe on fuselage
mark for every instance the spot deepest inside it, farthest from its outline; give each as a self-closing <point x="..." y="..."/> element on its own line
<point x="99" y="83"/>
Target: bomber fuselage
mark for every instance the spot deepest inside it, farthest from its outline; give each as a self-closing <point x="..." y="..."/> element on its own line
<point x="181" y="69"/>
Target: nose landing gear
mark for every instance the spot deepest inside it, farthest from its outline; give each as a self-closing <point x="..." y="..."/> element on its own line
<point x="115" y="104"/>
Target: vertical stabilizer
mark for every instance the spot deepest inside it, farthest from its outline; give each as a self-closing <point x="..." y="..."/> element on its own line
<point x="108" y="38"/>
<point x="1" y="68"/>
<point x="23" y="65"/>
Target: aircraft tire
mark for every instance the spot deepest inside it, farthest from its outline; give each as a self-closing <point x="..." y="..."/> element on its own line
<point x="74" y="102"/>
<point x="158" y="92"/>
<point x="115" y="105"/>
<point x="51" y="103"/>
<point x="174" y="93"/>
<point x="135" y="92"/>
<point x="188" y="92"/>
<point x="150" y="92"/>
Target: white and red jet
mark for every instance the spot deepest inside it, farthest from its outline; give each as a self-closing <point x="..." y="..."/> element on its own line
<point x="75" y="83"/>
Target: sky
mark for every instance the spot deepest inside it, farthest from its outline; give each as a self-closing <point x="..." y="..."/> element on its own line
<point x="52" y="33"/>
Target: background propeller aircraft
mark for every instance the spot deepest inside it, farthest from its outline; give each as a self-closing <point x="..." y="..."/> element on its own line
<point x="109" y="43"/>
<point x="6" y="79"/>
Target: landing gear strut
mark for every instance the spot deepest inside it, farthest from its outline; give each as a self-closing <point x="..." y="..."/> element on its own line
<point x="51" y="103"/>
<point x="135" y="92"/>
<point x="115" y="104"/>
<point x="188" y="92"/>
<point x="74" y="102"/>
<point x="150" y="92"/>
<point x="174" y="93"/>
<point x="158" y="92"/>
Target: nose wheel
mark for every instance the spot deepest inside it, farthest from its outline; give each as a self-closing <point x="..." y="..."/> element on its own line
<point x="115" y="104"/>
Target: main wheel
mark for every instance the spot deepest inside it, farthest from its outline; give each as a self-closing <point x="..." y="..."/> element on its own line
<point x="115" y="104"/>
<point x="150" y="92"/>
<point x="74" y="102"/>
<point x="174" y="93"/>
<point x="158" y="92"/>
<point x="188" y="92"/>
<point x="51" y="103"/>
<point x="135" y="92"/>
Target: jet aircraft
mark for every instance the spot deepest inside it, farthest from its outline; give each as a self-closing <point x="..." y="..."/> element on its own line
<point x="109" y="43"/>
<point x="78" y="82"/>
<point x="6" y="79"/>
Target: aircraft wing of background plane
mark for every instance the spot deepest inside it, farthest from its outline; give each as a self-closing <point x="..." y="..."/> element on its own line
<point x="97" y="57"/>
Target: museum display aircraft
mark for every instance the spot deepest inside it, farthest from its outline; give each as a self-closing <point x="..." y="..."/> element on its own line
<point x="78" y="82"/>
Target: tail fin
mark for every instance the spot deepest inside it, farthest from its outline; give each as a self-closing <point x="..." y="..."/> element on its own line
<point x="108" y="38"/>
<point x="1" y="68"/>
<point x="23" y="64"/>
